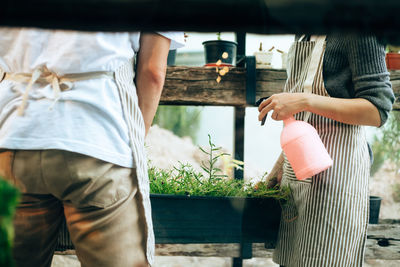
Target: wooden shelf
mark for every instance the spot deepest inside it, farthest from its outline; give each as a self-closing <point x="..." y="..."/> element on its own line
<point x="198" y="86"/>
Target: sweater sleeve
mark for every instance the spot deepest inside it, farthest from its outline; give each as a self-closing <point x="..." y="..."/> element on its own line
<point x="370" y="77"/>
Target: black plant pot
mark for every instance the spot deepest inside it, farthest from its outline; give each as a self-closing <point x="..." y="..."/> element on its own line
<point x="183" y="219"/>
<point x="374" y="208"/>
<point x="171" y="57"/>
<point x="213" y="51"/>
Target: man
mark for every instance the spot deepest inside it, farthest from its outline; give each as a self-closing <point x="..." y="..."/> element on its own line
<point x="72" y="128"/>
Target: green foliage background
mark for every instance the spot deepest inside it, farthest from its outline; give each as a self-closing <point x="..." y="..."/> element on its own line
<point x="181" y="120"/>
<point x="8" y="202"/>
<point x="387" y="145"/>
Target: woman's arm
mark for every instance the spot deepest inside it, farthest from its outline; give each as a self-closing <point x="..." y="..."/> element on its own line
<point x="371" y="91"/>
<point x="356" y="111"/>
<point x="150" y="73"/>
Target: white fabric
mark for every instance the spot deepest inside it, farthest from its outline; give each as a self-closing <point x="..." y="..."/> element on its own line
<point x="136" y="129"/>
<point x="316" y="55"/>
<point x="87" y="119"/>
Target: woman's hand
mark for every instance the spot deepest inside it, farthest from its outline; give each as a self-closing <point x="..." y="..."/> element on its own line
<point x="283" y="105"/>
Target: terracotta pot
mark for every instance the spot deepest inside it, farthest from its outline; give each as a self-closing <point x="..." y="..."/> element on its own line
<point x="393" y="61"/>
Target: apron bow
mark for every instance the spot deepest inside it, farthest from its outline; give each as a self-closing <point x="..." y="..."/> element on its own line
<point x="59" y="84"/>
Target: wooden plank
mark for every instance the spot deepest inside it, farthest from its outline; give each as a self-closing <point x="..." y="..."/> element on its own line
<point x="231" y="250"/>
<point x="272" y="16"/>
<point x="383" y="243"/>
<point x="198" y="86"/>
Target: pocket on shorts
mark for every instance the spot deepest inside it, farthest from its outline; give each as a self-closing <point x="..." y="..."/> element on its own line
<point x="97" y="183"/>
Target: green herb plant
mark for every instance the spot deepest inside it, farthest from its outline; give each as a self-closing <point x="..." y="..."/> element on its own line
<point x="184" y="180"/>
<point x="392" y="49"/>
<point x="210" y="167"/>
<point x="8" y="202"/>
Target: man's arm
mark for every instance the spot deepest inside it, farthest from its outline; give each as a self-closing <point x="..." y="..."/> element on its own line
<point x="150" y="73"/>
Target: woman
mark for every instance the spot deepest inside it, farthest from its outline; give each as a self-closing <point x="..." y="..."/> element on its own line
<point x="341" y="83"/>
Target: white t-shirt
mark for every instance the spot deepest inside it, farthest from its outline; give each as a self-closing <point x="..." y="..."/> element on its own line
<point x="87" y="119"/>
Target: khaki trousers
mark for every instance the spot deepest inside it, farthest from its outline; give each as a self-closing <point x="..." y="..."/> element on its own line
<point x="98" y="199"/>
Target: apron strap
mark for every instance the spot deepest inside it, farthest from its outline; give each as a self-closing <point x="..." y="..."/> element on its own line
<point x="311" y="74"/>
<point x="313" y="67"/>
<point x="58" y="83"/>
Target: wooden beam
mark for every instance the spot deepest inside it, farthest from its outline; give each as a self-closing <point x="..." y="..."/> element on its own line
<point x="272" y="16"/>
<point x="198" y="86"/>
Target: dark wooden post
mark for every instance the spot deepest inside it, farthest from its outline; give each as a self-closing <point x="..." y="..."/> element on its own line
<point x="240" y="112"/>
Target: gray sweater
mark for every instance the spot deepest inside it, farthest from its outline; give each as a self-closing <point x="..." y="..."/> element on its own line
<point x="354" y="67"/>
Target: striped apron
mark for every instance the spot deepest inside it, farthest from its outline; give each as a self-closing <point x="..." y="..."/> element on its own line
<point x="325" y="220"/>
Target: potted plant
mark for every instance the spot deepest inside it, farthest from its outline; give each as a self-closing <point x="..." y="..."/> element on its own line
<point x="393" y="57"/>
<point x="171" y="57"/>
<point x="190" y="207"/>
<point x="220" y="52"/>
<point x="172" y="53"/>
<point x="264" y="58"/>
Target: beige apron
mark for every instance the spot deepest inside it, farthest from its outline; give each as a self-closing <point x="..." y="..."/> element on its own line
<point x="134" y="119"/>
<point x="325" y="222"/>
<point x="123" y="77"/>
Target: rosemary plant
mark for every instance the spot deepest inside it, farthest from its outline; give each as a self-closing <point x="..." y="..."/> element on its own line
<point x="184" y="180"/>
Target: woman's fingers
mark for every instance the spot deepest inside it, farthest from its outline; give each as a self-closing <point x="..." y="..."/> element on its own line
<point x="264" y="112"/>
<point x="264" y="103"/>
<point x="275" y="116"/>
<point x="283" y="105"/>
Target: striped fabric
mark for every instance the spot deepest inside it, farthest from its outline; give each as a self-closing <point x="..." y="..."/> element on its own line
<point x="124" y="76"/>
<point x="325" y="221"/>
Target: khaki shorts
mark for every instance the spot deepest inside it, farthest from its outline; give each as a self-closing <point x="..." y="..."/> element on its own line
<point x="98" y="199"/>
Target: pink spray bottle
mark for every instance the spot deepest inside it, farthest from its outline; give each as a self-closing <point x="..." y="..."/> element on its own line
<point x="304" y="149"/>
